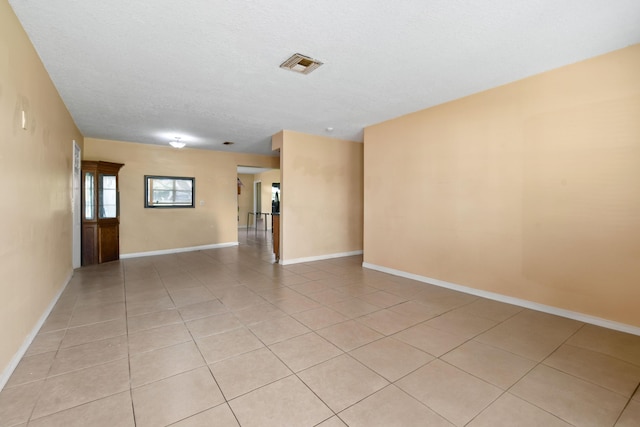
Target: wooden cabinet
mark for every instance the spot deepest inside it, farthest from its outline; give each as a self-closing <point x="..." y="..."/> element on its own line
<point x="100" y="212"/>
<point x="276" y="235"/>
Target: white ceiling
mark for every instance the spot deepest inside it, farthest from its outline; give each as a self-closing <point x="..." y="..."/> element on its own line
<point x="208" y="70"/>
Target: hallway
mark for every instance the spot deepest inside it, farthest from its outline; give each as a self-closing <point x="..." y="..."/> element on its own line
<point x="225" y="337"/>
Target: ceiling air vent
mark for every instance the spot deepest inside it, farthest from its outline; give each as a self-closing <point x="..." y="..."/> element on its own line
<point x="300" y="64"/>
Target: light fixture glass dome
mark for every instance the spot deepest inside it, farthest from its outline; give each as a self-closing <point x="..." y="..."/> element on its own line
<point x="177" y="143"/>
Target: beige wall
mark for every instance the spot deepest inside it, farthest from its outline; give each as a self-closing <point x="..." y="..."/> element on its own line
<point x="530" y="190"/>
<point x="322" y="195"/>
<point x="35" y="169"/>
<point x="214" y="219"/>
<point x="267" y="179"/>
<point x="245" y="199"/>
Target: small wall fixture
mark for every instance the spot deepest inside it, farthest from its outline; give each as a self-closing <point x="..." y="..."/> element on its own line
<point x="177" y="143"/>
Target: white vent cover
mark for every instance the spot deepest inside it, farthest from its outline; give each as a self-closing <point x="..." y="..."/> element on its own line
<point x="300" y="64"/>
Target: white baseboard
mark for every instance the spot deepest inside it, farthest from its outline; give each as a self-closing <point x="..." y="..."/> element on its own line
<point x="13" y="364"/>
<point x="598" y="321"/>
<point x="178" y="250"/>
<point x="319" y="257"/>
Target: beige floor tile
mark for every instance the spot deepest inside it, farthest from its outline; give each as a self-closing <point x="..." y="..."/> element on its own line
<point x="287" y="402"/>
<point x="598" y="368"/>
<point x="259" y="313"/>
<point x="17" y="403"/>
<point x="293" y="279"/>
<point x="416" y="310"/>
<point x="431" y="340"/>
<point x="188" y="296"/>
<point x="31" y="368"/>
<point x="153" y="320"/>
<point x="273" y="331"/>
<point x="452" y="393"/>
<point x="354" y="307"/>
<point x="155" y="365"/>
<point x="212" y="325"/>
<point x="329" y="296"/>
<point x="530" y="334"/>
<point x="296" y="304"/>
<point x="94" y="332"/>
<point x="180" y="281"/>
<point x="155" y="338"/>
<point x="151" y="305"/>
<point x="462" y="324"/>
<point x="332" y="422"/>
<point x="202" y="309"/>
<point x="342" y="381"/>
<point x="614" y="343"/>
<point x="488" y="309"/>
<point x="388" y="322"/>
<point x="572" y="399"/>
<point x="142" y="294"/>
<point x="357" y="289"/>
<point x="391" y="407"/>
<point x="349" y="335"/>
<point x="630" y="416"/>
<point x="173" y="399"/>
<point x="112" y="411"/>
<point x="309" y="288"/>
<point x="220" y="416"/>
<point x="305" y="351"/>
<point x="78" y="387"/>
<point x="391" y="358"/>
<point x="241" y="298"/>
<point x="222" y="346"/>
<point x="382" y="299"/>
<point x="56" y="322"/>
<point x="96" y="314"/>
<point x="319" y="275"/>
<point x="510" y="411"/>
<point x="448" y="301"/>
<point x="242" y="374"/>
<point x="90" y="354"/>
<point x="45" y="342"/>
<point x="496" y="366"/>
<point x="319" y="318"/>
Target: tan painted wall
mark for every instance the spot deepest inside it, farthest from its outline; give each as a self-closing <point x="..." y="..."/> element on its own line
<point x="35" y="169"/>
<point x="213" y="222"/>
<point x="530" y="190"/>
<point x="245" y="200"/>
<point x="267" y="178"/>
<point x="322" y="195"/>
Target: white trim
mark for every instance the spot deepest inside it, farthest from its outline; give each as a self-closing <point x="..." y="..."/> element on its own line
<point x="610" y="324"/>
<point x="319" y="257"/>
<point x="178" y="250"/>
<point x="13" y="364"/>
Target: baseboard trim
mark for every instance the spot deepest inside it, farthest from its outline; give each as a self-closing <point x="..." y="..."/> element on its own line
<point x="15" y="360"/>
<point x="178" y="250"/>
<point x="319" y="257"/>
<point x="586" y="318"/>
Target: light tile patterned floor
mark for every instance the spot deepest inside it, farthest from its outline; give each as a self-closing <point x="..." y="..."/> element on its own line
<point x="224" y="338"/>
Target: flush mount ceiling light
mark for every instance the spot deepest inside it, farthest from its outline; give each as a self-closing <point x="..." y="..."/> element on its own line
<point x="177" y="143"/>
<point x="300" y="64"/>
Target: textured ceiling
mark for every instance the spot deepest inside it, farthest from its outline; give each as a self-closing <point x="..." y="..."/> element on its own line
<point x="207" y="70"/>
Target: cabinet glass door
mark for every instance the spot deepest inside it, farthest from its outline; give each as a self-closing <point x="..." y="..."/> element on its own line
<point x="89" y="211"/>
<point x="107" y="196"/>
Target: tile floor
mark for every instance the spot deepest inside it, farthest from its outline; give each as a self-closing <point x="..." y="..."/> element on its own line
<point x="225" y="338"/>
